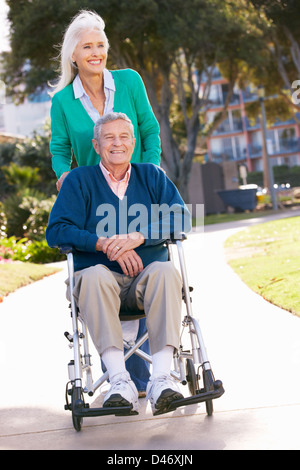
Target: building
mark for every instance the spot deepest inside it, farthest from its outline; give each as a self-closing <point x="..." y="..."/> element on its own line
<point x="24" y="119"/>
<point x="237" y="140"/>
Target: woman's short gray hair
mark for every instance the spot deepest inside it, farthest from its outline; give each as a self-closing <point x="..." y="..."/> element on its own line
<point x="109" y="117"/>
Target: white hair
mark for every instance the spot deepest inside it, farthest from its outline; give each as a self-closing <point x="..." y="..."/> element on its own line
<point x="84" y="21"/>
<point x="109" y="117"/>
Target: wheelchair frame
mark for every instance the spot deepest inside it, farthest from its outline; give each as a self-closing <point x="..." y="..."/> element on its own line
<point x="185" y="370"/>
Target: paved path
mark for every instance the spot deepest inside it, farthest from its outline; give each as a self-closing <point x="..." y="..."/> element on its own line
<point x="253" y="346"/>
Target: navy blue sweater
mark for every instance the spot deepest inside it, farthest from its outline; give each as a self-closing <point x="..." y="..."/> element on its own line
<point x="86" y="208"/>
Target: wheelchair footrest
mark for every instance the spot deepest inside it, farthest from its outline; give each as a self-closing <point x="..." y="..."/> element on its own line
<point x="200" y="397"/>
<point x="91" y="412"/>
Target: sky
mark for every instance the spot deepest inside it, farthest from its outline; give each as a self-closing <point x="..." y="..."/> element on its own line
<point x="4" y="27"/>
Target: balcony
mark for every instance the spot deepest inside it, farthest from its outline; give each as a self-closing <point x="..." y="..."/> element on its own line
<point x="284" y="147"/>
<point x="228" y="155"/>
<point x="288" y="146"/>
<point x="219" y="102"/>
<point x="227" y="128"/>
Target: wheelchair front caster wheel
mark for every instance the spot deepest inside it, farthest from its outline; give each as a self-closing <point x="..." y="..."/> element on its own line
<point x="191" y="377"/>
<point x="208" y="386"/>
<point x="77" y="422"/>
<point x="77" y="403"/>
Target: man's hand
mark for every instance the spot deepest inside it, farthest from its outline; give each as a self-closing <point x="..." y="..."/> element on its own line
<point x="130" y="262"/>
<point x="117" y="245"/>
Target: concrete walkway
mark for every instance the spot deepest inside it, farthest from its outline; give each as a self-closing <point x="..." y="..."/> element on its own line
<point x="253" y="347"/>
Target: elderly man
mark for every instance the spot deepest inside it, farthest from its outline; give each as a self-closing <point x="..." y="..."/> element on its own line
<point x="114" y="214"/>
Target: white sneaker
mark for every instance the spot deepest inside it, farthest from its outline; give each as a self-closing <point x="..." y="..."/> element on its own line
<point x="122" y="392"/>
<point x="161" y="392"/>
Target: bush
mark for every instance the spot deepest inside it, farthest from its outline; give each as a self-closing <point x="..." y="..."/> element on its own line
<point x="27" y="159"/>
<point x="39" y="210"/>
<point x="22" y="233"/>
<point x="282" y="175"/>
<point x="20" y="210"/>
<point x="3" y="221"/>
<point x="27" y="194"/>
<point x="26" y="250"/>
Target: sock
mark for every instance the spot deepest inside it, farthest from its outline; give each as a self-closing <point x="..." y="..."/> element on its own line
<point x="162" y="361"/>
<point x="113" y="359"/>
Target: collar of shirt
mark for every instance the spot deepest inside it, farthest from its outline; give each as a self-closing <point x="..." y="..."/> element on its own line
<point x="118" y="187"/>
<point x="79" y="91"/>
<point x="109" y="90"/>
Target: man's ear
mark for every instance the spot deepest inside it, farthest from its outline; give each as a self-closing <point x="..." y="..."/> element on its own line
<point x="96" y="146"/>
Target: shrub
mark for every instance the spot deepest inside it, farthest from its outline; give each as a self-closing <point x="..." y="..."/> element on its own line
<point x="282" y="175"/>
<point x="39" y="210"/>
<point x="26" y="250"/>
<point x="3" y="221"/>
<point x="27" y="214"/>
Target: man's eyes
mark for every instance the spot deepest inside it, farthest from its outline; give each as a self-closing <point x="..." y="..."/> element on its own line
<point x="112" y="137"/>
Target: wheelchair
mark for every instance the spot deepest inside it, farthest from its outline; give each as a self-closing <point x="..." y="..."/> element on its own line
<point x="191" y="366"/>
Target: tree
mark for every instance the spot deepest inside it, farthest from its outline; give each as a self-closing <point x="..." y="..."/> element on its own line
<point x="36" y="28"/>
<point x="282" y="61"/>
<point x="173" y="44"/>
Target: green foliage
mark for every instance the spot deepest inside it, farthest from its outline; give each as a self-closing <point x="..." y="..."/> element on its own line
<point x="28" y="194"/>
<point x="20" y="177"/>
<point x="39" y="210"/>
<point x="18" y="212"/>
<point x="27" y="164"/>
<point x="15" y="247"/>
<point x="276" y="108"/>
<point x="35" y="152"/>
<point x="39" y="252"/>
<point x="7" y="152"/>
<point x="3" y="221"/>
<point x="28" y="251"/>
<point x="267" y="256"/>
<point x="173" y="44"/>
<point x="37" y="27"/>
<point x="282" y="175"/>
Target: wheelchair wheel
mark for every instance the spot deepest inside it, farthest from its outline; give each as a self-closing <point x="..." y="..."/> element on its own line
<point x="191" y="376"/>
<point x="208" y="385"/>
<point x="77" y="399"/>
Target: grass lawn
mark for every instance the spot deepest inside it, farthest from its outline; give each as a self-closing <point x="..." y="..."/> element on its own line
<point x="267" y="258"/>
<point x="17" y="274"/>
<point x="235" y="216"/>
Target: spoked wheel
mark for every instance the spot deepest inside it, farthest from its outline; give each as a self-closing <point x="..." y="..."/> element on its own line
<point x="191" y="377"/>
<point x="77" y="401"/>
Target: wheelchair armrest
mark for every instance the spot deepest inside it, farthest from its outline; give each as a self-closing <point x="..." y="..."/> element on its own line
<point x="181" y="236"/>
<point x="64" y="250"/>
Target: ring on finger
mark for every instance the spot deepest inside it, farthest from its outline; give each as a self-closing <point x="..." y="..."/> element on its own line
<point x="118" y="248"/>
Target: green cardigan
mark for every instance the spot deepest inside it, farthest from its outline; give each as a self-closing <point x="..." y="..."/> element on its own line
<point x="72" y="129"/>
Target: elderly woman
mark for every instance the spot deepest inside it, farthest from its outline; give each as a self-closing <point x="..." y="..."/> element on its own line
<point x="85" y="91"/>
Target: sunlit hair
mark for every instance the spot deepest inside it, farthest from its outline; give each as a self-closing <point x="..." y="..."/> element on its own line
<point x="84" y="21"/>
<point x="109" y="117"/>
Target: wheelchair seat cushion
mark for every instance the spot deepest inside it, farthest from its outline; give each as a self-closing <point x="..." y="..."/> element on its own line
<point x="128" y="315"/>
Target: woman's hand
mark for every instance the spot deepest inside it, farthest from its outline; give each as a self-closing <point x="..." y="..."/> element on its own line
<point x="60" y="181"/>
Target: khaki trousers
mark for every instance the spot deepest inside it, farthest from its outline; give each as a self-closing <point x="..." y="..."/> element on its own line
<point x="99" y="294"/>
